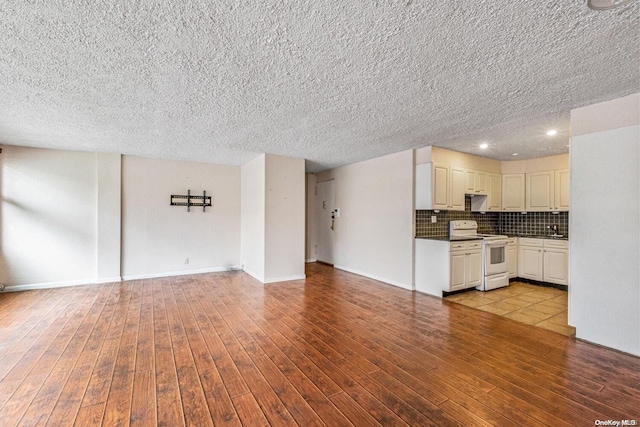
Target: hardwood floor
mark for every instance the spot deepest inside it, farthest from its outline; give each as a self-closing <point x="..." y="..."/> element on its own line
<point x="335" y="349"/>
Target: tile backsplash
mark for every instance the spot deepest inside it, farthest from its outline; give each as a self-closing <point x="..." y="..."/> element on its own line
<point x="534" y="223"/>
<point x="509" y="223"/>
<point x="487" y="223"/>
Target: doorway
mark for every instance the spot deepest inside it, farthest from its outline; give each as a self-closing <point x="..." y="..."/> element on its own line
<point x="325" y="203"/>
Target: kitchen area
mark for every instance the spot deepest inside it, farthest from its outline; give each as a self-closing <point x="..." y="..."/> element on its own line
<point x="493" y="235"/>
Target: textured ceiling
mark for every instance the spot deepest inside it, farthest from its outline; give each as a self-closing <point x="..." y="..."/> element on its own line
<point x="333" y="82"/>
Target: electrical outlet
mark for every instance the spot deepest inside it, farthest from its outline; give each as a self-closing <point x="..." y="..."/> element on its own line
<point x="434" y="218"/>
<point x="186" y="260"/>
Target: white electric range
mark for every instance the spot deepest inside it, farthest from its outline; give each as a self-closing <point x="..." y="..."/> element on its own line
<point x="495" y="273"/>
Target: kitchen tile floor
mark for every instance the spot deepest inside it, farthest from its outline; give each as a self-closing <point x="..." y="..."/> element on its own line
<point x="525" y="303"/>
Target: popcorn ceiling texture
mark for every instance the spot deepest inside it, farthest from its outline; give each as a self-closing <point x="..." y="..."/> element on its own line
<point x="333" y="82"/>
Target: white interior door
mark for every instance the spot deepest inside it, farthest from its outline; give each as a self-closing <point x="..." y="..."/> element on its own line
<point x="324" y="209"/>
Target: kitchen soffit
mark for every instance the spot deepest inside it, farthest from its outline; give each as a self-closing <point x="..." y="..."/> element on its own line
<point x="333" y="82"/>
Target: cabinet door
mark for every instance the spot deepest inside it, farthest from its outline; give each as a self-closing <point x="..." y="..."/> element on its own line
<point x="556" y="266"/>
<point x="474" y="269"/>
<point x="470" y="181"/>
<point x="561" y="181"/>
<point x="530" y="263"/>
<point x="481" y="182"/>
<point x="494" y="192"/>
<point x="540" y="191"/>
<point x="440" y="190"/>
<point x="513" y="192"/>
<point x="457" y="281"/>
<point x="457" y="186"/>
<point x="512" y="261"/>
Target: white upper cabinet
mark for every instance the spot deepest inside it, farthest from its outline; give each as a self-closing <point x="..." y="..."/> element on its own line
<point x="439" y="187"/>
<point x="548" y="191"/>
<point x="481" y="182"/>
<point x="513" y="192"/>
<point x="561" y="181"/>
<point x="470" y="181"/>
<point x="456" y="185"/>
<point x="492" y="201"/>
<point x="540" y="191"/>
<point x="494" y="193"/>
<point x="475" y="182"/>
<point x="443" y="186"/>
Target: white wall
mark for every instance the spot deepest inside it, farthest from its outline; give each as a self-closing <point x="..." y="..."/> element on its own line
<point x="541" y="164"/>
<point x="253" y="217"/>
<point x="157" y="237"/>
<point x="604" y="294"/>
<point x="284" y="219"/>
<point x="273" y="218"/>
<point x="311" y="218"/>
<point x="374" y="234"/>
<point x="48" y="217"/>
<point x="109" y="211"/>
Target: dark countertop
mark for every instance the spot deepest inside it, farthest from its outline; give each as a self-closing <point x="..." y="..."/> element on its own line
<point x="462" y="239"/>
<point x="539" y="236"/>
<point x="449" y="239"/>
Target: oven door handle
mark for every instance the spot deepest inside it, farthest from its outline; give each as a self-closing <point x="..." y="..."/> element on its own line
<point x="497" y="243"/>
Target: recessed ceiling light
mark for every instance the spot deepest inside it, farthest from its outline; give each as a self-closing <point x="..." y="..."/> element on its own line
<point x="552" y="132"/>
<point x="484" y="146"/>
<point x="514" y="154"/>
<point x="606" y="4"/>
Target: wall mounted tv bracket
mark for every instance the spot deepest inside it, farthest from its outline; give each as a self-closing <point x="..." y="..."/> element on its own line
<point x="189" y="200"/>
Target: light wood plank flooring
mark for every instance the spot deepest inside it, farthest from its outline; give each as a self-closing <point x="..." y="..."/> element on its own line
<point x="336" y="349"/>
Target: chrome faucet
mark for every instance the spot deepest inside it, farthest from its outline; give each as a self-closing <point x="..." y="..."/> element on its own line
<point x="554" y="228"/>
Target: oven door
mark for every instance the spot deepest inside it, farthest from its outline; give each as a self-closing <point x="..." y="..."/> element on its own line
<point x="495" y="257"/>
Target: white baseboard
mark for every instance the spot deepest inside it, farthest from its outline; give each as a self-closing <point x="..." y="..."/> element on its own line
<point x="254" y="275"/>
<point x="180" y="273"/>
<point x="286" y="279"/>
<point x="275" y="279"/>
<point x="311" y="260"/>
<point x="51" y="285"/>
<point x="109" y="280"/>
<point x="374" y="277"/>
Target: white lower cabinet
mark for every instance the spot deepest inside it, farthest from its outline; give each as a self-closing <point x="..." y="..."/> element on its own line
<point x="556" y="262"/>
<point x="544" y="260"/>
<point x="466" y="265"/>
<point x="443" y="266"/>
<point x="512" y="257"/>
<point x="530" y="261"/>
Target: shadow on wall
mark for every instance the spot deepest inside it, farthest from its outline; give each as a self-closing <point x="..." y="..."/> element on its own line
<point x="45" y="218"/>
